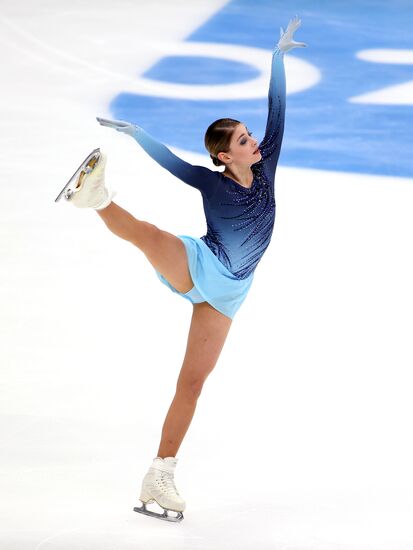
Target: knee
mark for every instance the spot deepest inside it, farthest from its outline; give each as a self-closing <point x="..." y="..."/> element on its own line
<point x="146" y="235"/>
<point x="191" y="386"/>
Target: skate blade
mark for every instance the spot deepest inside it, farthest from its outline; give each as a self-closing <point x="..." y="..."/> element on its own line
<point x="90" y="160"/>
<point x="143" y="510"/>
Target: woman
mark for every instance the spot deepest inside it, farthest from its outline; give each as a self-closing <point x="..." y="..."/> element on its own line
<point x="213" y="272"/>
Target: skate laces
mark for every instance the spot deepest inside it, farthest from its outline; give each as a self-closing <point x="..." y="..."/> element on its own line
<point x="167" y="484"/>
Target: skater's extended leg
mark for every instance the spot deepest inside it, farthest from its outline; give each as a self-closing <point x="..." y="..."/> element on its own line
<point x="207" y="334"/>
<point x="165" y="251"/>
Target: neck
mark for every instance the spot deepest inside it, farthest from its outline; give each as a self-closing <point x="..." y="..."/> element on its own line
<point x="242" y="174"/>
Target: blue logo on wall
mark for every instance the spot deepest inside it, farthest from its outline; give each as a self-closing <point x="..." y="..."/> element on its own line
<point x="357" y="117"/>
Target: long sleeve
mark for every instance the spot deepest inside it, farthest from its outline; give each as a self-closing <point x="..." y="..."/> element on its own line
<point x="200" y="177"/>
<point x="271" y="144"/>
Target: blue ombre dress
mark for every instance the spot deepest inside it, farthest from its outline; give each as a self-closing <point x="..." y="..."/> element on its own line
<point x="240" y="220"/>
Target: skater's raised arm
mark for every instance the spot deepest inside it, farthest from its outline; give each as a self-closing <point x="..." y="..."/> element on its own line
<point x="200" y="177"/>
<point x="271" y="144"/>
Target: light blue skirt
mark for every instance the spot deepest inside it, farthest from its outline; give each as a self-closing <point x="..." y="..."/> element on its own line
<point x="213" y="283"/>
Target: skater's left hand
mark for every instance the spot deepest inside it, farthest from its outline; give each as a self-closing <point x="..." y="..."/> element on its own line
<point x="119" y="125"/>
<point x="286" y="42"/>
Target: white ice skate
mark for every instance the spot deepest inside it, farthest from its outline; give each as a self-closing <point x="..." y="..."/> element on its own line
<point x="158" y="486"/>
<point x="86" y="188"/>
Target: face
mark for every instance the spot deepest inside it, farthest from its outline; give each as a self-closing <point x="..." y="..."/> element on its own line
<point x="243" y="148"/>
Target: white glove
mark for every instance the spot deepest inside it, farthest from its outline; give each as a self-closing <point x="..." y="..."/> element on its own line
<point x="119" y="125"/>
<point x="286" y="42"/>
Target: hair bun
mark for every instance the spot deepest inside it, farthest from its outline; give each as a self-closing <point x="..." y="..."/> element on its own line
<point x="215" y="160"/>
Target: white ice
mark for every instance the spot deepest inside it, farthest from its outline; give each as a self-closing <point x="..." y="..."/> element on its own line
<point x="302" y="438"/>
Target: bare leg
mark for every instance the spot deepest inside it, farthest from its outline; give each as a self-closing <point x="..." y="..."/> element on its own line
<point x="208" y="331"/>
<point x="207" y="334"/>
<point x="165" y="251"/>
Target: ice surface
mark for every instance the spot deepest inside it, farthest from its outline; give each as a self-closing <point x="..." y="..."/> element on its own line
<point x="302" y="436"/>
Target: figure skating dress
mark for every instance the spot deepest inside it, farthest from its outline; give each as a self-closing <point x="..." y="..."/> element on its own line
<point x="240" y="220"/>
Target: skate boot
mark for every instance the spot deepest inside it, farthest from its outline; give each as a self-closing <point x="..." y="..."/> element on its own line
<point x="158" y="486"/>
<point x="86" y="188"/>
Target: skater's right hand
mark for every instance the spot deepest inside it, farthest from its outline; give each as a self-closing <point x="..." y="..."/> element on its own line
<point x="119" y="125"/>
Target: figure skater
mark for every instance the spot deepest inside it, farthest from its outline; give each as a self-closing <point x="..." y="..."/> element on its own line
<point x="213" y="272"/>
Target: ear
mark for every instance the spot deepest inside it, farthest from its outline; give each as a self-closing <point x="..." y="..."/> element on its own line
<point x="224" y="157"/>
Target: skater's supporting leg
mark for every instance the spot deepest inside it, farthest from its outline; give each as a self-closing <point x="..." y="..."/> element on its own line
<point x="207" y="334"/>
<point x="165" y="251"/>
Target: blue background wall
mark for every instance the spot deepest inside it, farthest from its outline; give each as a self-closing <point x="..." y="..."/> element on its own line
<point x="323" y="129"/>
